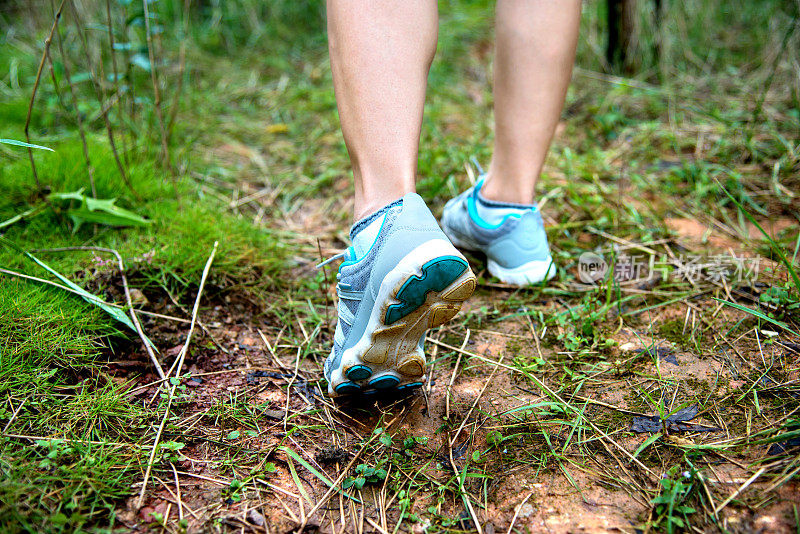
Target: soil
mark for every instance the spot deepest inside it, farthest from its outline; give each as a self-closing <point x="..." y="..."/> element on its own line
<point x="592" y="498"/>
<point x="250" y="365"/>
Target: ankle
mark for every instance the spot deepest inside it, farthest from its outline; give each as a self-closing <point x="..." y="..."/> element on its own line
<point x="511" y="178"/>
<point x="374" y="190"/>
<point x="515" y="192"/>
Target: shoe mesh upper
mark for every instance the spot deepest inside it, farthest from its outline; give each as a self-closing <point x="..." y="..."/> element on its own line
<point x="356" y="276"/>
<point x="516" y="241"/>
<point x="406" y="227"/>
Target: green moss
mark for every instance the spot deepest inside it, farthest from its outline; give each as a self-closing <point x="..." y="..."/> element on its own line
<point x="673" y="331"/>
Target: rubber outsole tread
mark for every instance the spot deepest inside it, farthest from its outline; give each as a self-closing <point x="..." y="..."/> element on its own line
<point x="384" y="382"/>
<point x="400" y="340"/>
<point x="390" y="356"/>
<point x="358" y="372"/>
<point x="437" y="274"/>
<point x="347" y="388"/>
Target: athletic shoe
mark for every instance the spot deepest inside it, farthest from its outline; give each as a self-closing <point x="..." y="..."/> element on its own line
<point x="411" y="278"/>
<point x="516" y="247"/>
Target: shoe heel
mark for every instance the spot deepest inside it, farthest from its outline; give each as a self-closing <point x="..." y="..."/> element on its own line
<point x="437" y="276"/>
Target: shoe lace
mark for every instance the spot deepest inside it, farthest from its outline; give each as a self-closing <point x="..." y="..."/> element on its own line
<point x="343" y="290"/>
<point x="344" y="255"/>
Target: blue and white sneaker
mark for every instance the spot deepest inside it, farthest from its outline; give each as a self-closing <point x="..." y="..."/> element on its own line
<point x="511" y="235"/>
<point x="401" y="277"/>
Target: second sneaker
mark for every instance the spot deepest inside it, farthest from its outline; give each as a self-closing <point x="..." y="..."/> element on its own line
<point x="511" y="235"/>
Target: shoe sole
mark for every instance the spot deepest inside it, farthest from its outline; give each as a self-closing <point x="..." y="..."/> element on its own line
<point x="425" y="290"/>
<point x="529" y="273"/>
<point x="532" y="272"/>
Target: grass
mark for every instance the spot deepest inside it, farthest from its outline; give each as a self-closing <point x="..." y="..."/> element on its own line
<point x="52" y="386"/>
<point x="687" y="158"/>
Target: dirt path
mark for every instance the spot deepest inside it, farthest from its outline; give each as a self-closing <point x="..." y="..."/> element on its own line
<point x="513" y="426"/>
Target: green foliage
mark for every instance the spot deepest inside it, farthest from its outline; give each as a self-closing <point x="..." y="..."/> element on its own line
<point x="221" y="26"/>
<point x="671" y="507"/>
<point x="114" y="312"/>
<point x="494" y="438"/>
<point x="99" y="211"/>
<point x="580" y="323"/>
<point x="49" y="342"/>
<point x="85" y="483"/>
<point x="48" y="327"/>
<point x="365" y="474"/>
<point x="234" y="490"/>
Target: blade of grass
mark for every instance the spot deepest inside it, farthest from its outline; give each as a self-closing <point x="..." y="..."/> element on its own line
<point x="758" y="314"/>
<point x="773" y="245"/>
<point x="116" y="313"/>
<point x="786" y="436"/>
<point x="313" y="470"/>
<point x="26" y="214"/>
<point x="649" y="441"/>
<point x="298" y="482"/>
<point x="24" y="144"/>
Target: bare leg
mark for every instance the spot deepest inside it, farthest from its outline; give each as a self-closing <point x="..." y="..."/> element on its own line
<point x="381" y="51"/>
<point x="536" y="41"/>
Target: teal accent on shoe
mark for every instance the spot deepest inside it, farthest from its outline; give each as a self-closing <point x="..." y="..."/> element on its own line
<point x="352" y="251"/>
<point x="384" y="382"/>
<point x="437" y="274"/>
<point x="347" y="388"/>
<point x="473" y="211"/>
<point x="359" y="372"/>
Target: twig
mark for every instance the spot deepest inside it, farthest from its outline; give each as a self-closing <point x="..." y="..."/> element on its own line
<point x="177" y="491"/>
<point x="199" y="322"/>
<point x="14" y="415"/>
<point x="45" y="55"/>
<point x="179" y="362"/>
<point x="175" y="497"/>
<point x="136" y="323"/>
<point x="100" y="93"/>
<point x="514" y="519"/>
<point x="53" y="78"/>
<point x="477" y="399"/>
<point x="453" y="376"/>
<point x="621" y="241"/>
<point x="335" y="484"/>
<point x="434" y="354"/>
<point x="739" y="490"/>
<point x="118" y="99"/>
<point x="325" y="291"/>
<point x="181" y="69"/>
<point x="271" y="351"/>
<point x="289" y="389"/>
<point x="156" y="91"/>
<point x="288" y="510"/>
<point x="471" y="354"/>
<point x="464" y="493"/>
<point x="376" y="525"/>
<point x="78" y="117"/>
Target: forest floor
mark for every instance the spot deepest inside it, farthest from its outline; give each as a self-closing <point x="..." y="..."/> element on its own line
<point x="665" y="397"/>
